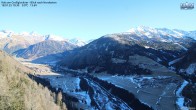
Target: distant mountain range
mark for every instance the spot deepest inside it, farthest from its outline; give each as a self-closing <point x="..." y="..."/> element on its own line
<point x="78" y="42"/>
<point x="11" y="41"/>
<point x="156" y="32"/>
<point x="44" y="48"/>
<point x="160" y="46"/>
<point x="119" y="51"/>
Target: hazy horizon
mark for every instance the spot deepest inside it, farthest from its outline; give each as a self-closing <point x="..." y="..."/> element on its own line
<point x="92" y="19"/>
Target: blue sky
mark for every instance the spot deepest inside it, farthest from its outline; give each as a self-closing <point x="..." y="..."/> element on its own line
<point x="90" y="19"/>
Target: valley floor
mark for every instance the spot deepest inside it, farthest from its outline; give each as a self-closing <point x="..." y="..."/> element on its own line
<point x="158" y="92"/>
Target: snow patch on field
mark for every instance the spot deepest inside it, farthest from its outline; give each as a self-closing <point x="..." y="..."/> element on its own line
<point x="146" y="47"/>
<point x="180" y="100"/>
<point x="172" y="68"/>
<point x="191" y="69"/>
<point x="159" y="60"/>
<point x="86" y="97"/>
<point x="182" y="46"/>
<point x="174" y="61"/>
<point x="117" y="60"/>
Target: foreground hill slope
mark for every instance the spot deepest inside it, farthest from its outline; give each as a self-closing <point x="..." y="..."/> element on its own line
<point x="18" y="91"/>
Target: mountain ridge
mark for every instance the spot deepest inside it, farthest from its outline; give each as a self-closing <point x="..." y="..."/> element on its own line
<point x="115" y="50"/>
<point x="11" y="41"/>
<point x="44" y="48"/>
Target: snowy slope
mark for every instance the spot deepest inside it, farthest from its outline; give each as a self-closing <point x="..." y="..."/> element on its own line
<point x="158" y="32"/>
<point x="77" y="41"/>
<point x="191" y="69"/>
<point x="11" y="41"/>
<point x="44" y="48"/>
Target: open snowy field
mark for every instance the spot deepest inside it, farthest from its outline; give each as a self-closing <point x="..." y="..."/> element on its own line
<point x="158" y="92"/>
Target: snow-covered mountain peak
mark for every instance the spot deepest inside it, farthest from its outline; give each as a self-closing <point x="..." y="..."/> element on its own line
<point x="158" y="32"/>
<point x="24" y="33"/>
<point x="143" y="31"/>
<point x="54" y="37"/>
<point x="77" y="41"/>
<point x="7" y="31"/>
<point x="33" y="33"/>
<point x="170" y="32"/>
